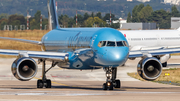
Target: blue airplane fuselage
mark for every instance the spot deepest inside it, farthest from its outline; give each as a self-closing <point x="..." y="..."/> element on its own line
<point x="85" y="47"/>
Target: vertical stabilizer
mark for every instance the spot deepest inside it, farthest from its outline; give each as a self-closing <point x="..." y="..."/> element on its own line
<point x="53" y="19"/>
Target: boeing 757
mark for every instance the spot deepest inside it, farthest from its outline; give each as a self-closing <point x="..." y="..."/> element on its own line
<point x="83" y="49"/>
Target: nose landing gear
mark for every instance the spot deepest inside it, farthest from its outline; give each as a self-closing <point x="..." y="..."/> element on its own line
<point x="111" y="81"/>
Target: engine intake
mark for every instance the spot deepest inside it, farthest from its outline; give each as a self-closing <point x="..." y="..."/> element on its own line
<point x="24" y="68"/>
<point x="149" y="68"/>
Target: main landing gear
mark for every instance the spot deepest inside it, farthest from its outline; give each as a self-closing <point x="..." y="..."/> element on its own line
<point x="111" y="81"/>
<point x="44" y="82"/>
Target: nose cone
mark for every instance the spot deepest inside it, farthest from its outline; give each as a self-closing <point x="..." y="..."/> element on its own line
<point x="117" y="56"/>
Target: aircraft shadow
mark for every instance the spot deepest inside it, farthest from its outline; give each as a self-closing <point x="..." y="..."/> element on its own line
<point x="173" y="65"/>
<point x="83" y="88"/>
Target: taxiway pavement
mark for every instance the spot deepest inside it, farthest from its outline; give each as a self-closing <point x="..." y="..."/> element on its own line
<point x="75" y="85"/>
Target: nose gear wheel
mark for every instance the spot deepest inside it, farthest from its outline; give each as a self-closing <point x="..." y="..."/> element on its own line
<point x="111" y="81"/>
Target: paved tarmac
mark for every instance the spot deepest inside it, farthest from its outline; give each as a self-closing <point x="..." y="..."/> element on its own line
<point x="75" y="85"/>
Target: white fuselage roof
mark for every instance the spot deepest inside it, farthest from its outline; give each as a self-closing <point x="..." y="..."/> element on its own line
<point x="142" y="39"/>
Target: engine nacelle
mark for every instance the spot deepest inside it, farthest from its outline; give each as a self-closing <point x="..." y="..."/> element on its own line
<point x="149" y="68"/>
<point x="24" y="68"/>
<point x="165" y="58"/>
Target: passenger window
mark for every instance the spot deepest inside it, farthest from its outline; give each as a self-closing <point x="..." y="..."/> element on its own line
<point x="110" y="43"/>
<point x="120" y="43"/>
<point x="99" y="44"/>
<point x="103" y="43"/>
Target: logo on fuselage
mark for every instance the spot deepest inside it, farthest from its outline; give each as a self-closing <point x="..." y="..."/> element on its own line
<point x="79" y="41"/>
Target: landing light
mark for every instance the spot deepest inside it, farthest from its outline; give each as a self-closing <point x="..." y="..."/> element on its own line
<point x="108" y="75"/>
<point x="66" y="59"/>
<point x="108" y="83"/>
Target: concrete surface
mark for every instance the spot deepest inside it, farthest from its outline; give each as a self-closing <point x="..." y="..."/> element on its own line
<point x="74" y="85"/>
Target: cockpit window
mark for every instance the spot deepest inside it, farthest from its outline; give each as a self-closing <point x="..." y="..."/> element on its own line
<point x="125" y="43"/>
<point x="99" y="44"/>
<point x="120" y="43"/>
<point x="103" y="43"/>
<point x="111" y="43"/>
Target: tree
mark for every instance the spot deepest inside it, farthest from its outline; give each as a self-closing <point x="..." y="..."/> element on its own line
<point x="99" y="15"/>
<point x="16" y="20"/>
<point x="3" y="15"/>
<point x="33" y="24"/>
<point x="175" y="12"/>
<point x="45" y="22"/>
<point x="116" y="25"/>
<point x="71" y="22"/>
<point x="107" y="17"/>
<point x="80" y="19"/>
<point x="2" y="23"/>
<point x="162" y="18"/>
<point x="86" y="16"/>
<point x="89" y="22"/>
<point x="135" y="12"/>
<point x="37" y="16"/>
<point x="129" y="17"/>
<point x="145" y="13"/>
<point x="60" y="18"/>
<point x="92" y="14"/>
<point x="140" y="7"/>
<point x="65" y="20"/>
<point x="96" y="20"/>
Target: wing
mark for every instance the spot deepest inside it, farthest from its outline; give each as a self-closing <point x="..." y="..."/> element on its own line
<point x="155" y="52"/>
<point x="23" y="40"/>
<point x="37" y="54"/>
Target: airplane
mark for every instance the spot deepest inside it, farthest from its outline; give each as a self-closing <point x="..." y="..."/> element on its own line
<point x="83" y="49"/>
<point x="153" y="39"/>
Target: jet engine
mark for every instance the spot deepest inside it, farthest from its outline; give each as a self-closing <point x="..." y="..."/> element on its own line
<point x="149" y="68"/>
<point x="165" y="58"/>
<point x="24" y="68"/>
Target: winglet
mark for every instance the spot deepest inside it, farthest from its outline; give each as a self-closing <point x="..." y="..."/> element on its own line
<point x="53" y="19"/>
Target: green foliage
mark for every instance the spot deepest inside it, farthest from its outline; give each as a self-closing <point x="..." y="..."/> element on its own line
<point x="96" y="20"/>
<point x="129" y="17"/>
<point x="33" y="24"/>
<point x="86" y="16"/>
<point x="65" y="20"/>
<point x="80" y="19"/>
<point x="107" y="17"/>
<point x="37" y="16"/>
<point x="161" y="17"/>
<point x="69" y="7"/>
<point x="134" y="14"/>
<point x="2" y="23"/>
<point x="140" y="13"/>
<point x="99" y="15"/>
<point x="16" y="20"/>
<point x="144" y="13"/>
<point x="116" y="25"/>
<point x="3" y="15"/>
<point x="175" y="12"/>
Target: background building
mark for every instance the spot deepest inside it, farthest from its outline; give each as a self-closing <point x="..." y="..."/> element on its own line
<point x="138" y="26"/>
<point x="175" y="22"/>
